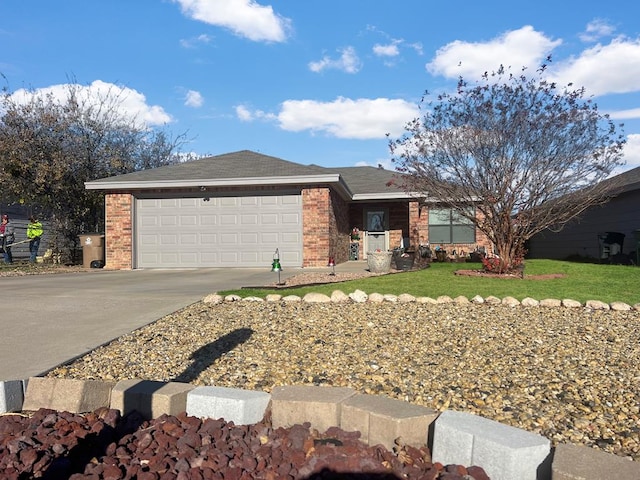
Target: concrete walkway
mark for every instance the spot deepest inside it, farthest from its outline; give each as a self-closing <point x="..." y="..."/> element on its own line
<point x="46" y="320"/>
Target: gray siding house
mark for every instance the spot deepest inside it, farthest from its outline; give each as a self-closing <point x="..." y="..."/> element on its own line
<point x="597" y="233"/>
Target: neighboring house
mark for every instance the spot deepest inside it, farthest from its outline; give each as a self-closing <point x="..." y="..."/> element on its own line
<point x="237" y="209"/>
<point x="593" y="234"/>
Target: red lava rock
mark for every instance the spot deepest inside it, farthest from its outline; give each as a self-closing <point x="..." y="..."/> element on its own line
<point x="103" y="445"/>
<point x="477" y="473"/>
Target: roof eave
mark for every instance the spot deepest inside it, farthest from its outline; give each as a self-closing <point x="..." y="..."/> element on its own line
<point x="214" y="182"/>
<point x="386" y="196"/>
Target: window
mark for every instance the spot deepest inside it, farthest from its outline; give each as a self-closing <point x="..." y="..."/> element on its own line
<point x="376" y="221"/>
<point x="448" y="226"/>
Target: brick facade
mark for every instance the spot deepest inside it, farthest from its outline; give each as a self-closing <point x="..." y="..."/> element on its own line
<point x="119" y="231"/>
<point x="327" y="220"/>
<point x="325" y="227"/>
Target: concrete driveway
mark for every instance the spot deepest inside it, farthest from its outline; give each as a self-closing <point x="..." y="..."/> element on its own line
<point x="46" y="320"/>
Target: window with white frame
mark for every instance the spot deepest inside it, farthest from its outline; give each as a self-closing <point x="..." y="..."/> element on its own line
<point x="448" y="226"/>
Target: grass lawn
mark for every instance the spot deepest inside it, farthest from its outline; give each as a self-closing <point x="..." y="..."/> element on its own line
<point x="581" y="282"/>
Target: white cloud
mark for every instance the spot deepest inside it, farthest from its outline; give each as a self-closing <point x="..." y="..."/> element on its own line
<point x="193" y="99"/>
<point x="597" y="29"/>
<point x="348" y="62"/>
<point x="389" y="50"/>
<point x="386" y="163"/>
<point x="632" y="151"/>
<point x="245" y="18"/>
<point x="630" y="114"/>
<point x="518" y="48"/>
<point x="417" y="47"/>
<point x="347" y="118"/>
<point x="245" y="114"/>
<point x="192" y="42"/>
<point x="127" y="102"/>
<point x="602" y="69"/>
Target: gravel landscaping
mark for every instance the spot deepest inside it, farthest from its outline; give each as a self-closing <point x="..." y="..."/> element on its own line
<point x="570" y="374"/>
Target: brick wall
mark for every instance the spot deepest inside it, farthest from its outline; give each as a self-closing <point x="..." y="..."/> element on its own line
<point x="339" y="235"/>
<point x="119" y="231"/>
<point x="316" y="209"/>
<point x="423" y="233"/>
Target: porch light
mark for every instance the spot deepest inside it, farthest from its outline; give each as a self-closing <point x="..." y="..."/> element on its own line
<point x="332" y="264"/>
<point x="275" y="265"/>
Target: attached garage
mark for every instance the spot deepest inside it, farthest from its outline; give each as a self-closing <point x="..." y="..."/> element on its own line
<point x="235" y="210"/>
<point x="218" y="231"/>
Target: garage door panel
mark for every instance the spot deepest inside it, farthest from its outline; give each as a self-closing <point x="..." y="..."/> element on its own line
<point x="220" y="231"/>
<point x="149" y="221"/>
<point x="208" y="219"/>
<point x="269" y="238"/>
<point x="150" y="240"/>
<point x="249" y="239"/>
<point x="269" y="201"/>
<point x="291" y="238"/>
<point x="208" y="239"/>
<point x="188" y="220"/>
<point x="290" y="219"/>
<point x="252" y="257"/>
<point x="269" y="219"/>
<point x="188" y="239"/>
<point x="228" y="201"/>
<point x="209" y="257"/>
<point x="188" y="202"/>
<point x="168" y="240"/>
<point x="169" y="221"/>
<point x="229" y="219"/>
<point x="249" y="219"/>
<point x="229" y="258"/>
<point x="228" y="239"/>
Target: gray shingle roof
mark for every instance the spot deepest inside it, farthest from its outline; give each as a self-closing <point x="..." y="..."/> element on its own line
<point x="368" y="180"/>
<point x="242" y="164"/>
<point x="255" y="168"/>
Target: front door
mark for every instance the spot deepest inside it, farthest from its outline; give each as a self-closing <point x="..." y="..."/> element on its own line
<point x="376" y="234"/>
<point x="376" y="241"/>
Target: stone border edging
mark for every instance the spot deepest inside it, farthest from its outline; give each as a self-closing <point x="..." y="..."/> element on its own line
<point x="358" y="296"/>
<point x="503" y="451"/>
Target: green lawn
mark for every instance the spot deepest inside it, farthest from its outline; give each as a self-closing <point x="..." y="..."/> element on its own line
<point x="581" y="282"/>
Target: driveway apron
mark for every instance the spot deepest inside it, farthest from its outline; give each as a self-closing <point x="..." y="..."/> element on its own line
<point x="46" y="320"/>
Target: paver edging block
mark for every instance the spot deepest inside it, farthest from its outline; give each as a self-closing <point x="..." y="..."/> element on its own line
<point x="150" y="398"/>
<point x="242" y="407"/>
<point x="11" y="395"/>
<point x="573" y="462"/>
<point x="381" y="420"/>
<point x="66" y="394"/>
<point x="320" y="406"/>
<point x="503" y="451"/>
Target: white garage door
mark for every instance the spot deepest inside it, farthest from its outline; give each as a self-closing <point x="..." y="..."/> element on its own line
<point x="219" y="231"/>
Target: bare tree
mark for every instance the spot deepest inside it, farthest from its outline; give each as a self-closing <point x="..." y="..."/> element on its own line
<point x="528" y="155"/>
<point x="50" y="147"/>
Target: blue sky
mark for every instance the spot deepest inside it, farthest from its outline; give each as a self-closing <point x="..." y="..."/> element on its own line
<point x="317" y="82"/>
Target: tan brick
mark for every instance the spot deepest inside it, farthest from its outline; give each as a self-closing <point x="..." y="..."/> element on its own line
<point x="321" y="406"/>
<point x="66" y="394"/>
<point x="572" y="462"/>
<point x="150" y="398"/>
<point x="382" y="419"/>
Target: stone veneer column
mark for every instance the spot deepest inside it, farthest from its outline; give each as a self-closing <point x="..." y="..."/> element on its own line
<point x="119" y="231"/>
